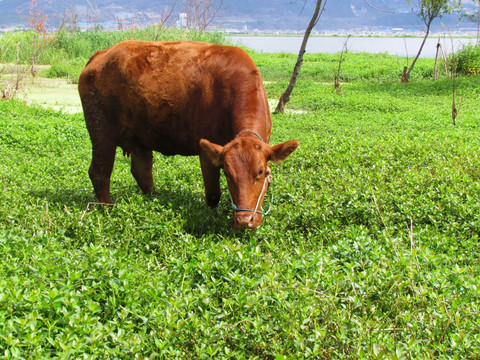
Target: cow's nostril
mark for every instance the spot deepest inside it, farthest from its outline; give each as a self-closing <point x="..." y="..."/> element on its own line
<point x="246" y="220"/>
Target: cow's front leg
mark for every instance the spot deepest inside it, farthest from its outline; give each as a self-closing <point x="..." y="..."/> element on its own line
<point x="211" y="180"/>
<point x="141" y="168"/>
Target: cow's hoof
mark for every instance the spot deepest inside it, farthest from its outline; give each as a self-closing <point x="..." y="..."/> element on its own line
<point x="213" y="200"/>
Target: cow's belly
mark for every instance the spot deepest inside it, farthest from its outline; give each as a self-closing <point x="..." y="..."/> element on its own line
<point x="171" y="129"/>
<point x="158" y="138"/>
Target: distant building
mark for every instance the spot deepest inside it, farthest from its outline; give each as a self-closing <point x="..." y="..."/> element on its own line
<point x="182" y="20"/>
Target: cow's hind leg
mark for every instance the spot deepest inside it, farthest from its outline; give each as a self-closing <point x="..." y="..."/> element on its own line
<point x="102" y="134"/>
<point x="103" y="158"/>
<point x="211" y="180"/>
<point x="142" y="162"/>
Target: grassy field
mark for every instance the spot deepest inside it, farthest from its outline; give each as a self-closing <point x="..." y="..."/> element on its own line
<point x="371" y="250"/>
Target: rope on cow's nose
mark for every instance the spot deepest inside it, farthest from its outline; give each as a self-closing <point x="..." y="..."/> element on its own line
<point x="237" y="209"/>
<point x="268" y="180"/>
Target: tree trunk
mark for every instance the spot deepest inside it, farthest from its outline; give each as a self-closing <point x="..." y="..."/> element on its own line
<point x="435" y="73"/>
<point x="406" y="74"/>
<point x="296" y="70"/>
<point x="336" y="79"/>
<point x="478" y="22"/>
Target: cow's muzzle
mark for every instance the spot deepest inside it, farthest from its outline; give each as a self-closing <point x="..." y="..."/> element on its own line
<point x="252" y="218"/>
<point x="246" y="220"/>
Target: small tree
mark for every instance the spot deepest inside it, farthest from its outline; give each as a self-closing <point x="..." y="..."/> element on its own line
<point x="200" y="13"/>
<point x="336" y="77"/>
<point x="94" y="14"/>
<point x="164" y="16"/>
<point x="70" y="20"/>
<point x="10" y="87"/>
<point x="37" y="21"/>
<point x="473" y="17"/>
<point x="285" y="97"/>
<point x="429" y="10"/>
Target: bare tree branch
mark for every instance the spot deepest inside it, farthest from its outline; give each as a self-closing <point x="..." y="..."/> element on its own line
<point x="200" y="13"/>
<point x="319" y="9"/>
<point x="375" y="8"/>
<point x="164" y="18"/>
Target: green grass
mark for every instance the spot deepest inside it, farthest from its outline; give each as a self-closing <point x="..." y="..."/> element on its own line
<point x="371" y="250"/>
<point x="356" y="67"/>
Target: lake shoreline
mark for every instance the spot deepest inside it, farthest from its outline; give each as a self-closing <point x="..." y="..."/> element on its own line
<point x="397" y="46"/>
<point x="400" y="36"/>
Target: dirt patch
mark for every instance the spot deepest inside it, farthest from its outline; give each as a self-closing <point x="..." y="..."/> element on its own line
<point x="57" y="94"/>
<point x="61" y="95"/>
<point x="273" y="105"/>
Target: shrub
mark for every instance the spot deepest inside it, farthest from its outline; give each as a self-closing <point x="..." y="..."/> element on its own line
<point x="70" y="70"/>
<point x="64" y="45"/>
<point x="468" y="60"/>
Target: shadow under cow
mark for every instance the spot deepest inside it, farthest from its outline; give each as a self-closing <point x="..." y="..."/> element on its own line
<point x="198" y="218"/>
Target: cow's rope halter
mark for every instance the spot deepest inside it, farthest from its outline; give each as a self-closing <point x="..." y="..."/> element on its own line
<point x="250" y="131"/>
<point x="268" y="180"/>
<point x="266" y="183"/>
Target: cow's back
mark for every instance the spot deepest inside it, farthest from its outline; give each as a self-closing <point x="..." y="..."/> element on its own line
<point x="165" y="96"/>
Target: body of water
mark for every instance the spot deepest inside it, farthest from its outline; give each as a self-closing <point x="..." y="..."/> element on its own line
<point x="334" y="44"/>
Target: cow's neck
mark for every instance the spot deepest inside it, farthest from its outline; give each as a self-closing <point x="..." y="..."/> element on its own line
<point x="253" y="129"/>
<point x="252" y="119"/>
<point x="248" y="131"/>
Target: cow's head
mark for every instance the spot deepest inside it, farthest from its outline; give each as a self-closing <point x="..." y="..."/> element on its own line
<point x="245" y="162"/>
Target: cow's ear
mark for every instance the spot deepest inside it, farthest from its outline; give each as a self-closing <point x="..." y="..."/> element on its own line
<point x="281" y="151"/>
<point x="213" y="151"/>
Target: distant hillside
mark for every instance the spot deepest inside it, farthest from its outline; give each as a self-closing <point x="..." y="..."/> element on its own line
<point x="246" y="15"/>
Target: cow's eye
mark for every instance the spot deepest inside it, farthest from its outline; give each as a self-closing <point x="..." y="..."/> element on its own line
<point x="259" y="176"/>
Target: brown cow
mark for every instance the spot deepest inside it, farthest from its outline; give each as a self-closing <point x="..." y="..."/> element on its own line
<point x="186" y="98"/>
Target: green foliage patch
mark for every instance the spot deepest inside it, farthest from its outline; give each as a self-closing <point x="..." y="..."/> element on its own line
<point x="467" y="60"/>
<point x="355" y="67"/>
<point x="64" y="45"/>
<point x="371" y="250"/>
<point x="69" y="70"/>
